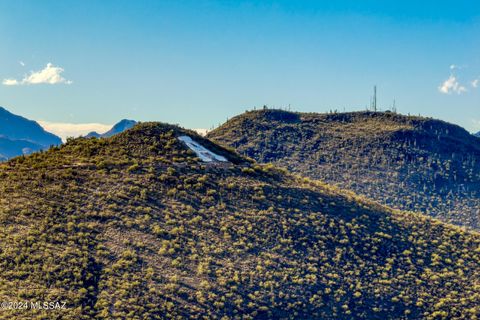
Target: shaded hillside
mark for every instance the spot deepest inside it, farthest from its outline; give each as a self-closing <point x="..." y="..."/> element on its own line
<point x="137" y="227"/>
<point x="12" y="148"/>
<point x="20" y="136"/>
<point x="410" y="163"/>
<point x="19" y="128"/>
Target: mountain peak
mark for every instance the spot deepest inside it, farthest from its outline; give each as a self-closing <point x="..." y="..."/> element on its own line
<point x="117" y="128"/>
<point x="121" y="126"/>
<point x="125" y="122"/>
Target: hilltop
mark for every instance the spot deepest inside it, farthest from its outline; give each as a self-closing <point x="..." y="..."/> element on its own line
<point x="136" y="226"/>
<point x="407" y="162"/>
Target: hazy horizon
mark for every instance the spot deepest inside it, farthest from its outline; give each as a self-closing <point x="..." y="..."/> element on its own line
<point x="197" y="63"/>
<point x="72" y="129"/>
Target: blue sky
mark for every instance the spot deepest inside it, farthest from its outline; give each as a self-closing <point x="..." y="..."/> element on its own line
<point x="196" y="63"/>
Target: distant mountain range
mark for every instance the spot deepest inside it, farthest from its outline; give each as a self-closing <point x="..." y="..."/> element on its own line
<point x="137" y="226"/>
<point x="410" y="163"/>
<point x="19" y="135"/>
<point x="121" y="126"/>
<point x="477" y="134"/>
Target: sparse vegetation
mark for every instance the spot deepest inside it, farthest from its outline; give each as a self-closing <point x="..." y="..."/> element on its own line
<point x="136" y="227"/>
<point x="410" y="163"/>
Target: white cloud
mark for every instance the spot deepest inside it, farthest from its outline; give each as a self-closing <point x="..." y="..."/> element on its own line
<point x="49" y="75"/>
<point x="475" y="83"/>
<point x="201" y="131"/>
<point x="22" y="63"/>
<point x="451" y="85"/>
<point x="10" y="82"/>
<point x="65" y="130"/>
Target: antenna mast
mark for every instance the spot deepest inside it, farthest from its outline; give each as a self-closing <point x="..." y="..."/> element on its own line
<point x="375" y="98"/>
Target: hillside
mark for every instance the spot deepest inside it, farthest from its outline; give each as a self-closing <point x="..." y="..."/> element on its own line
<point x="19" y="128"/>
<point x="19" y="136"/>
<point x="406" y="162"/>
<point x="137" y="227"/>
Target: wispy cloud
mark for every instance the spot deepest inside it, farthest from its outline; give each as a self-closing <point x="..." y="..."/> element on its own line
<point x="457" y="67"/>
<point x="49" y="75"/>
<point x="475" y="83"/>
<point x="451" y="85"/>
<point x="10" y="82"/>
<point x="65" y="130"/>
<point x="476" y="124"/>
